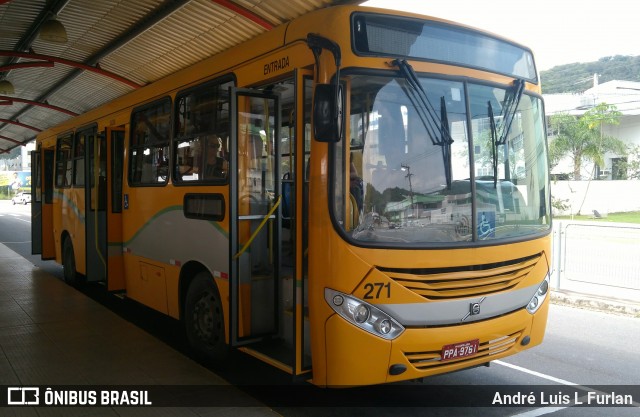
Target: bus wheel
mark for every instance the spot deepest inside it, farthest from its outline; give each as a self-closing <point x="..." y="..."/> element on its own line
<point x="204" y="320"/>
<point x="69" y="263"/>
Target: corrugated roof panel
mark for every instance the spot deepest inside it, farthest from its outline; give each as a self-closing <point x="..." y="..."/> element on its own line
<point x="182" y="35"/>
<point x="15" y="18"/>
<point x="90" y="90"/>
<point x="91" y="25"/>
<point x="41" y="118"/>
<point x="282" y="11"/>
<point x="7" y="111"/>
<point x="196" y="31"/>
<point x="29" y="83"/>
<point x="18" y="133"/>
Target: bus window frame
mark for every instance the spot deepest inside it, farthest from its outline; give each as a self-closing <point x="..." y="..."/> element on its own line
<point x="69" y="135"/>
<point x="78" y="181"/>
<point x="153" y="144"/>
<point x="87" y="131"/>
<point x="177" y="138"/>
<point x="194" y="206"/>
<point x="117" y="167"/>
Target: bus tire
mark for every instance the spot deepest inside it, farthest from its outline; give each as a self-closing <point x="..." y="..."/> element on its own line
<point x="204" y="320"/>
<point x="69" y="263"/>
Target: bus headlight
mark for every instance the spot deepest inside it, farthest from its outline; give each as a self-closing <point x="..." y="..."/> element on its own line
<point x="363" y="315"/>
<point x="539" y="296"/>
<point x="384" y="326"/>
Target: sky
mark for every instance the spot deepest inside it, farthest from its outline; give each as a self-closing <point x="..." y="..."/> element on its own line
<point x="557" y="31"/>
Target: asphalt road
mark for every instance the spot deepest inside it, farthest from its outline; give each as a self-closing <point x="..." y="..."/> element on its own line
<point x="588" y="352"/>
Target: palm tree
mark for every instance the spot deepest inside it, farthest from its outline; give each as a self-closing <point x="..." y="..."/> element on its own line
<point x="582" y="139"/>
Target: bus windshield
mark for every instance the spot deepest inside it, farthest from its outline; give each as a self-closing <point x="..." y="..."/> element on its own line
<point x="425" y="167"/>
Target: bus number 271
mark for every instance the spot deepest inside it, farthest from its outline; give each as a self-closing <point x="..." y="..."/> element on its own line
<point x="375" y="290"/>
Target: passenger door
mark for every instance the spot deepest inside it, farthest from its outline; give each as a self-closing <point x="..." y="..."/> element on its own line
<point x="95" y="210"/>
<point x="104" y="171"/>
<point x="42" y="238"/>
<point x="255" y="216"/>
<point x="36" y="202"/>
<point x="115" y="175"/>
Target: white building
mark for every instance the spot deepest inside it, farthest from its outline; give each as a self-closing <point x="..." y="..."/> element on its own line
<point x="585" y="196"/>
<point x="625" y="95"/>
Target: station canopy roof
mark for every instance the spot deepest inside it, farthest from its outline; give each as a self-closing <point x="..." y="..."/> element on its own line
<point x="107" y="48"/>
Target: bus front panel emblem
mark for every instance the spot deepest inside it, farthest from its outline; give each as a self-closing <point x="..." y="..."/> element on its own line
<point x="474" y="309"/>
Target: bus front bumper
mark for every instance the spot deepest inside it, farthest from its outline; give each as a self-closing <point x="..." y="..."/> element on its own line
<point x="355" y="357"/>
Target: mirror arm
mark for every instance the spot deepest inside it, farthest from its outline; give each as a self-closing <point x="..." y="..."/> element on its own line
<point x="330" y="127"/>
<point x="317" y="43"/>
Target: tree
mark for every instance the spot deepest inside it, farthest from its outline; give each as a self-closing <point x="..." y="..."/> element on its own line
<point x="578" y="76"/>
<point x="582" y="138"/>
<point x="630" y="168"/>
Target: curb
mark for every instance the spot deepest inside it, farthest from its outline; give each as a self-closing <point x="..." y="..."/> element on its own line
<point x="590" y="302"/>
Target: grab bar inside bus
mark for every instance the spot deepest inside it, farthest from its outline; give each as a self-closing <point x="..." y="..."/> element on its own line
<point x="255" y="233"/>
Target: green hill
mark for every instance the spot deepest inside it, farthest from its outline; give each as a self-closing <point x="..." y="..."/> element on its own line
<point x="578" y="77"/>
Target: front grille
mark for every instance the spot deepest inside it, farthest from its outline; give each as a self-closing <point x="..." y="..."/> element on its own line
<point x="465" y="281"/>
<point x="432" y="359"/>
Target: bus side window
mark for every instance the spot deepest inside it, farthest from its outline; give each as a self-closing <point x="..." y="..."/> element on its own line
<point x="201" y="123"/>
<point x="64" y="161"/>
<point x="149" y="150"/>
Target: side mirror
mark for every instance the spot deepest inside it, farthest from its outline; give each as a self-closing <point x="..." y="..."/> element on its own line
<point x="328" y="113"/>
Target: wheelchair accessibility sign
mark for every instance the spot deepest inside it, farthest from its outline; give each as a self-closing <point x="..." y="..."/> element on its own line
<point x="486" y="224"/>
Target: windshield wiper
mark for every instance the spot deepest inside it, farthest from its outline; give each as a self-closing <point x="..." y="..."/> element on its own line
<point x="499" y="135"/>
<point x="494" y="143"/>
<point x="437" y="127"/>
<point x="510" y="107"/>
<point x="447" y="140"/>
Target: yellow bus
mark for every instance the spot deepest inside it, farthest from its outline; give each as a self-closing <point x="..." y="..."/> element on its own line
<point x="359" y="196"/>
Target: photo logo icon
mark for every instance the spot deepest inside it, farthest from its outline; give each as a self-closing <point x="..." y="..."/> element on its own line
<point x="23" y="396"/>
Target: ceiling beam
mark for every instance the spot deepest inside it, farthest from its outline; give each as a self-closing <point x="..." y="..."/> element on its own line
<point x="34" y="64"/>
<point x="13" y="140"/>
<point x="14" y="122"/>
<point x="70" y="63"/>
<point x="39" y="104"/>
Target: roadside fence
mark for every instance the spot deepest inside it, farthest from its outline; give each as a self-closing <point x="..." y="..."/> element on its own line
<point x="600" y="259"/>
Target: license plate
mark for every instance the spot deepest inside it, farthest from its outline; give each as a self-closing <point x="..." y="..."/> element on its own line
<point x="459" y="350"/>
